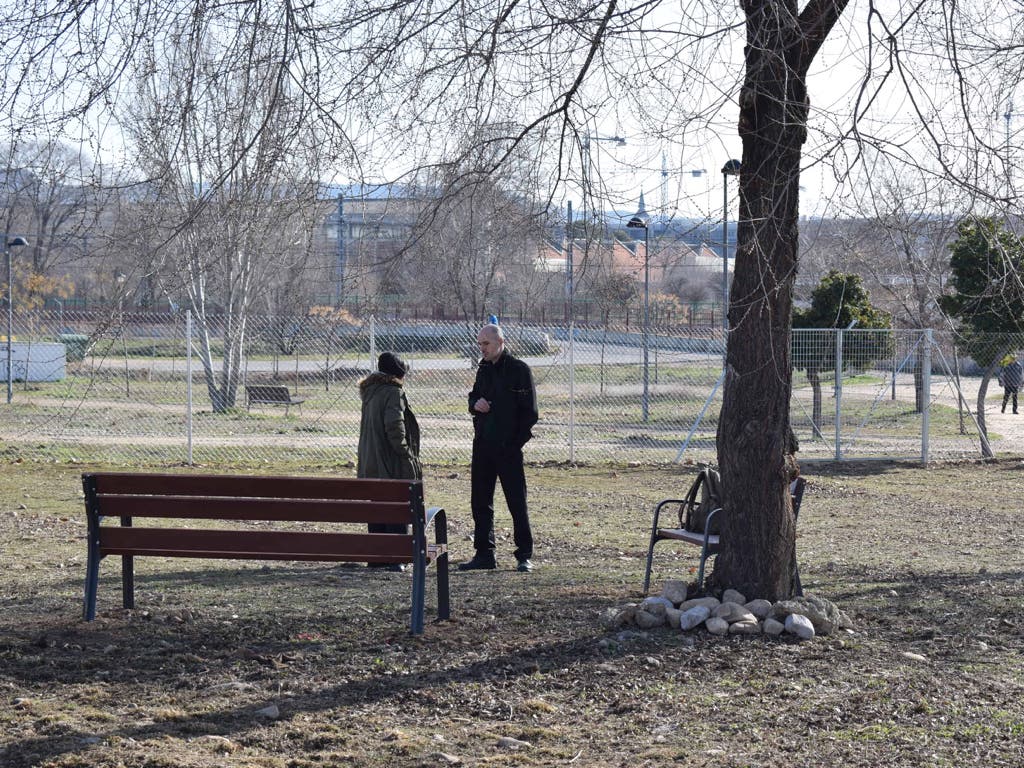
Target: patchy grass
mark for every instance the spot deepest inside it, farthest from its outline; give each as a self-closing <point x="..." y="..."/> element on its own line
<point x="926" y="560"/>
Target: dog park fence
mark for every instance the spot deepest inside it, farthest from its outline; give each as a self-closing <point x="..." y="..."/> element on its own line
<point x="131" y="387"/>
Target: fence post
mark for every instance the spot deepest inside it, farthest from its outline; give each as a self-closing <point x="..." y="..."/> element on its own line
<point x="839" y="393"/>
<point x="926" y="393"/>
<point x="188" y="382"/>
<point x="572" y="391"/>
<point x="373" y="343"/>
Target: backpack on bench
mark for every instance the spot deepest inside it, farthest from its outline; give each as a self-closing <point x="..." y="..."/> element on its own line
<point x="704" y="496"/>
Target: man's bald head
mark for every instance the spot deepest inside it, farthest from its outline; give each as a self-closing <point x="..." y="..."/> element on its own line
<point x="491" y="341"/>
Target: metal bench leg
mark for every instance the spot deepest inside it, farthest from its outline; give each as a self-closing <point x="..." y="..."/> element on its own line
<point x="650" y="561"/>
<point x="654" y="540"/>
<point x="127" y="573"/>
<point x="419" y="577"/>
<point x="700" y="572"/>
<point x="441" y="565"/>
<point x="92" y="575"/>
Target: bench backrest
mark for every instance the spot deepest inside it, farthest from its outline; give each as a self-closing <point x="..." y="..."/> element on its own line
<point x="277" y="393"/>
<point x="252" y="497"/>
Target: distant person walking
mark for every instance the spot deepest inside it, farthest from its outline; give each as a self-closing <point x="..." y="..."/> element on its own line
<point x="389" y="436"/>
<point x="1011" y="377"/>
<point x="503" y="403"/>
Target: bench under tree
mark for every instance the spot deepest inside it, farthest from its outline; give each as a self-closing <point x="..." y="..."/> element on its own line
<point x="710" y="543"/>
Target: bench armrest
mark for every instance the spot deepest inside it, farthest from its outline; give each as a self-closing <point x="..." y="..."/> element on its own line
<point x="657" y="510"/>
<point x="437" y="514"/>
<point x="432" y="512"/>
<point x="707" y="521"/>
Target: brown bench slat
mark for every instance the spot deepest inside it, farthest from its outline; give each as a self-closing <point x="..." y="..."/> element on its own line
<point x="253" y="486"/>
<point x="219" y="508"/>
<point x="256" y="545"/>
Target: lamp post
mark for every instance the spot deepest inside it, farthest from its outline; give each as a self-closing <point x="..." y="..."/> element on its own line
<point x="731" y="168"/>
<point x="121" y="278"/>
<point x="641" y="220"/>
<point x="585" y="142"/>
<point x="16" y="242"/>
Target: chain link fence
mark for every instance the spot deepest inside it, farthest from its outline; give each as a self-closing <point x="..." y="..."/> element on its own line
<point x="126" y="387"/>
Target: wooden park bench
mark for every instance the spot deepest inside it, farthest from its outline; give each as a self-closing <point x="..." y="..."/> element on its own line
<point x="271" y="394"/>
<point x="186" y="504"/>
<point x="710" y="543"/>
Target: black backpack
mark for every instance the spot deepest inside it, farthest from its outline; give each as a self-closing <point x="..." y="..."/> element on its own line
<point x="704" y="496"/>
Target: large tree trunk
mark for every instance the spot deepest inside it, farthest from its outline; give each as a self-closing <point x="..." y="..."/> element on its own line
<point x="759" y="532"/>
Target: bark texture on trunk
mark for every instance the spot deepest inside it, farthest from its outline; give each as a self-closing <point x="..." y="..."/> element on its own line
<point x="759" y="533"/>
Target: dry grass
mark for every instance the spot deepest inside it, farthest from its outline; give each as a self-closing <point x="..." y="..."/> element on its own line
<point x="927" y="561"/>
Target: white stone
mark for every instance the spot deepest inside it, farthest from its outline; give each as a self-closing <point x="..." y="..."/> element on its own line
<point x="733" y="596"/>
<point x="656" y="605"/>
<point x="773" y="627"/>
<point x="646" y="620"/>
<point x="271" y="712"/>
<point x="745" y="628"/>
<point x="694" y="617"/>
<point x="717" y="626"/>
<point x="914" y="656"/>
<point x="674" y="591"/>
<point x="710" y="602"/>
<point x="800" y="626"/>
<point x="733" y="612"/>
<point x="824" y="614"/>
<point x="759" y="607"/>
<point x="672" y="617"/>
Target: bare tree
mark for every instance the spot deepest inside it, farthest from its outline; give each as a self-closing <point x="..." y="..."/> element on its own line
<point x="235" y="182"/>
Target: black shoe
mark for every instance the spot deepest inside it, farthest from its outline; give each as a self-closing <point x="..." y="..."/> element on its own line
<point x="478" y="564"/>
<point x="524" y="566"/>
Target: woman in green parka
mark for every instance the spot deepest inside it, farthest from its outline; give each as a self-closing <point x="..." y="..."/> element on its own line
<point x="389" y="437"/>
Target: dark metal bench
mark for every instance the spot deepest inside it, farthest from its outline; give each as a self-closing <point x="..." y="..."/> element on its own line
<point x="180" y="499"/>
<point x="709" y="543"/>
<point x="271" y="394"/>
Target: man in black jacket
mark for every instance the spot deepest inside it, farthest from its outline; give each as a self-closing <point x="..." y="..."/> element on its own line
<point x="503" y="402"/>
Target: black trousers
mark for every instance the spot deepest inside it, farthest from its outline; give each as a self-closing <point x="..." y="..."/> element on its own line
<point x="1009" y="392"/>
<point x="490" y="464"/>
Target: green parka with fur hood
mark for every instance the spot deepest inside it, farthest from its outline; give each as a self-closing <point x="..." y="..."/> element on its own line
<point x="389" y="437"/>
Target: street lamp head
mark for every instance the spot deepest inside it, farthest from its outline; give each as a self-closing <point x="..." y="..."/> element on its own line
<point x="17" y="242"/>
<point x="731" y="168"/>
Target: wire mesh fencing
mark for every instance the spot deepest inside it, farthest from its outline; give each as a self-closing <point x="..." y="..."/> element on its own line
<point x="130" y="387"/>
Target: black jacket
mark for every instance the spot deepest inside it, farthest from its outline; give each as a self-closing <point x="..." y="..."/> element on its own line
<point x="507" y="384"/>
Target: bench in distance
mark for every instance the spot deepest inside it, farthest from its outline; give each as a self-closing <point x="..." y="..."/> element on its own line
<point x="271" y="394"/>
<point x="177" y="500"/>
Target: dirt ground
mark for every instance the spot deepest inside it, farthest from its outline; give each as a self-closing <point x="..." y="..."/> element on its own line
<point x="301" y="665"/>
